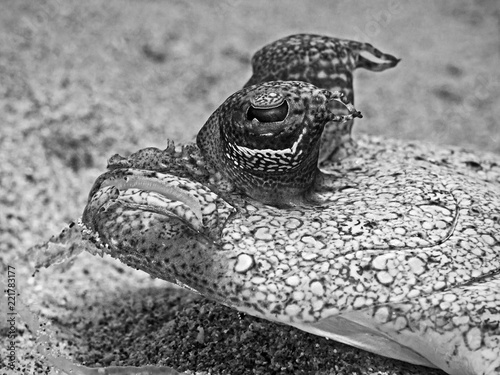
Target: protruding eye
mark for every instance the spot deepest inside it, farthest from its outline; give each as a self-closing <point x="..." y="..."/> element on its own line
<point x="268" y="114"/>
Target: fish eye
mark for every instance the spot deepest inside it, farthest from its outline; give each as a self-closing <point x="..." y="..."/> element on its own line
<point x="275" y="114"/>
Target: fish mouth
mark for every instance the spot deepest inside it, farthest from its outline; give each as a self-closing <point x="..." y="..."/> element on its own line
<point x="164" y="196"/>
<point x="156" y="192"/>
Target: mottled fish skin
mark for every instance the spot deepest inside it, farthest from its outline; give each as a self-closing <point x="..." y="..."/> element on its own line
<point x="325" y="62"/>
<point x="401" y="259"/>
<point x="407" y="246"/>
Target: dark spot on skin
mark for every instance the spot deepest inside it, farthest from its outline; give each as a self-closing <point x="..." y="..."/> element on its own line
<point x="371" y="224"/>
<point x="489" y="324"/>
<point x="120" y="270"/>
<point x="354" y="169"/>
<point x="277" y="310"/>
<point x="475" y="210"/>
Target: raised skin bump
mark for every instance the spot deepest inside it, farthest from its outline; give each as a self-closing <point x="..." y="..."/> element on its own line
<point x="274" y="162"/>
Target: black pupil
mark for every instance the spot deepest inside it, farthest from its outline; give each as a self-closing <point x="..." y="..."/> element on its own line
<point x="268" y="114"/>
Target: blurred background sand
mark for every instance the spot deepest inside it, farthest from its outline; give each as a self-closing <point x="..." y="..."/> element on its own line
<point x="81" y="81"/>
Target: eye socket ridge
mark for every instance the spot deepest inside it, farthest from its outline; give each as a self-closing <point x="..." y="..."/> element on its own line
<point x="275" y="114"/>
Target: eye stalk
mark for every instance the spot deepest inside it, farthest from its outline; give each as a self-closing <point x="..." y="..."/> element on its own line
<point x="268" y="114"/>
<point x="265" y="139"/>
